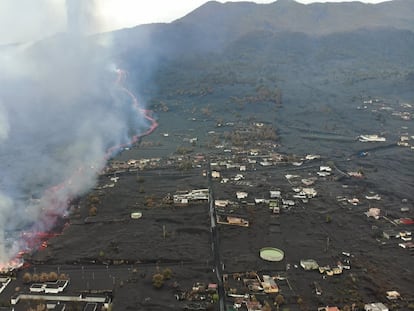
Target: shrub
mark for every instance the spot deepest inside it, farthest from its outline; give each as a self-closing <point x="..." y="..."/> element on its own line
<point x="167" y="273"/>
<point x="158" y="280"/>
<point x="53" y="276"/>
<point x="63" y="276"/>
<point x="93" y="211"/>
<point x="35" y="277"/>
<point x="27" y="278"/>
<point x="44" y="277"/>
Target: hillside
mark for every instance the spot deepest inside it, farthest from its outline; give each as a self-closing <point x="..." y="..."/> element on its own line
<point x="284" y="43"/>
<point x="214" y="26"/>
<point x="288" y="15"/>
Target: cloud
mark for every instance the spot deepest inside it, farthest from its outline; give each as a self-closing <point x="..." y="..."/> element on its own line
<point x="27" y="20"/>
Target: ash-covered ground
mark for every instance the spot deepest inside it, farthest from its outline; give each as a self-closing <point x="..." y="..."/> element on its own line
<point x="179" y="237"/>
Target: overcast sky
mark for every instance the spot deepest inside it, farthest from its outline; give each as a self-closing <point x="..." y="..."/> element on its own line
<point x="25" y="20"/>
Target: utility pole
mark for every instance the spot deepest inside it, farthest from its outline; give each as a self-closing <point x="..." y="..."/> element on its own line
<point x="327" y="244"/>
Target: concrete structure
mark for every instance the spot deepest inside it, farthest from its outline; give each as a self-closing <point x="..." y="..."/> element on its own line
<point x="377" y="306"/>
<point x="288" y="202"/>
<point x="241" y="195"/>
<point x="91" y="306"/>
<point x="275" y="194"/>
<point x="183" y="197"/>
<point x="237" y="221"/>
<point x="37" y="288"/>
<point x="407" y="245"/>
<point x="61" y="298"/>
<point x="329" y="309"/>
<point x="309" y="192"/>
<point x="271" y="254"/>
<point x="373" y="212"/>
<point x="215" y="174"/>
<point x="221" y="203"/>
<point x="309" y="264"/>
<point x="136" y="215"/>
<point x="4" y="281"/>
<point x="389" y="234"/>
<point x="325" y="169"/>
<point x="269" y="285"/>
<point x="56" y="306"/>
<point x="393" y="295"/>
<point x="49" y="287"/>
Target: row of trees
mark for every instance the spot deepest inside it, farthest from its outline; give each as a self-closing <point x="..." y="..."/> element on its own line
<point x="263" y="94"/>
<point x="92" y="202"/>
<point x="251" y="134"/>
<point x="43" y="277"/>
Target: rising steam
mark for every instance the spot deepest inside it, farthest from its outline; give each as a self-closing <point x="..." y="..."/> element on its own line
<point x="60" y="110"/>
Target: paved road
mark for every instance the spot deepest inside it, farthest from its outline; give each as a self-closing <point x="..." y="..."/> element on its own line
<point x="215" y="245"/>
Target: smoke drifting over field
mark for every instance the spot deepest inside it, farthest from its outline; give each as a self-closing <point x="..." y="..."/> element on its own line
<point x="60" y="110"/>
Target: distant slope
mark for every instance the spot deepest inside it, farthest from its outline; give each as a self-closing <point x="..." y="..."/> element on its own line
<point x="288" y="15"/>
<point x="384" y="45"/>
<point x="215" y="25"/>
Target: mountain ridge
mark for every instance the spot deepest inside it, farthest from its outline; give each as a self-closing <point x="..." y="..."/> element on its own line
<point x="315" y="18"/>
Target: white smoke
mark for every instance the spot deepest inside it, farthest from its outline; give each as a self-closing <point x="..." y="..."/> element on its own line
<point x="60" y="110"/>
<point x="6" y="207"/>
<point x="82" y="16"/>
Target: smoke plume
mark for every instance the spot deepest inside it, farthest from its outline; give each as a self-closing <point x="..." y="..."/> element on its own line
<point x="60" y="110"/>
